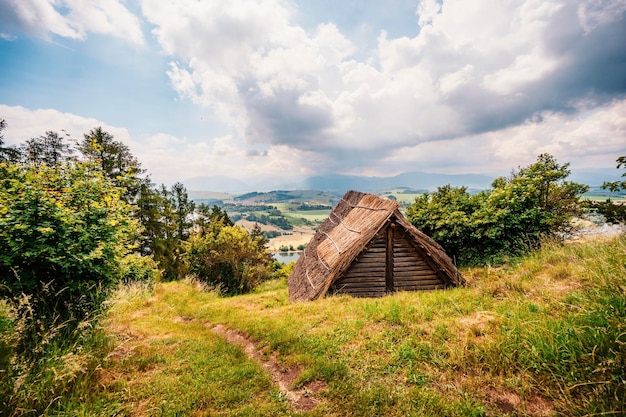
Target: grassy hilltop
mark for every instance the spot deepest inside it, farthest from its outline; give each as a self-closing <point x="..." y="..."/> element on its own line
<point x="543" y="335"/>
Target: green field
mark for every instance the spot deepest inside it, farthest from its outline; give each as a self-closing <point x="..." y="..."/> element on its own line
<point x="310" y="215"/>
<point x="542" y="335"/>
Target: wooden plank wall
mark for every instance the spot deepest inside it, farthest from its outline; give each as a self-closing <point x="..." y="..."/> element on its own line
<point x="410" y="270"/>
<point x="366" y="275"/>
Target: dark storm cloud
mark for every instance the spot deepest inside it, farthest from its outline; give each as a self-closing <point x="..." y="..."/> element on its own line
<point x="592" y="68"/>
<point x="282" y="118"/>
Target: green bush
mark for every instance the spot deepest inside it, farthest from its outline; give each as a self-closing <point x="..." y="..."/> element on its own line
<point x="517" y="213"/>
<point x="136" y="268"/>
<point x="63" y="233"/>
<point x="230" y="259"/>
<point x="612" y="212"/>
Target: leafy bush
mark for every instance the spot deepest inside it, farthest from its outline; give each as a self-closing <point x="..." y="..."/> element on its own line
<point x="229" y="259"/>
<point x="268" y="234"/>
<point x="617" y="185"/>
<point x="612" y="212"/>
<point x="517" y="213"/>
<point x="136" y="268"/>
<point x="279" y="270"/>
<point x="63" y="232"/>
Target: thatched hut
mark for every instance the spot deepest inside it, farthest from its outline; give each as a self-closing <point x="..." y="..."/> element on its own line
<point x="367" y="248"/>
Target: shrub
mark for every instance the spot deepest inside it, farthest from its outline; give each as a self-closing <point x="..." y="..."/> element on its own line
<point x="63" y="232"/>
<point x="136" y="268"/>
<point x="612" y="212"/>
<point x="517" y="213"/>
<point x="229" y="259"/>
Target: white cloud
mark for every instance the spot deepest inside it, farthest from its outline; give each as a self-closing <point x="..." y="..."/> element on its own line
<point x="167" y="158"/>
<point x="595" y="13"/>
<point x="76" y="18"/>
<point x="477" y="80"/>
<point x="453" y="80"/>
<point x="23" y="124"/>
<point x="473" y="64"/>
<point x="523" y="70"/>
<point x="8" y="37"/>
<point x="427" y="10"/>
<point x="591" y="139"/>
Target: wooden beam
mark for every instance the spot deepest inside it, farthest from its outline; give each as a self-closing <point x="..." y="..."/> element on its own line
<point x="389" y="260"/>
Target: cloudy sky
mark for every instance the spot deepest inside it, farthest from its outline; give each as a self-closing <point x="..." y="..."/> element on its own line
<point x="277" y="89"/>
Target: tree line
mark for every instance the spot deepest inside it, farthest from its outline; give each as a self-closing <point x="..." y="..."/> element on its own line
<point x="78" y="217"/>
<point x="534" y="203"/>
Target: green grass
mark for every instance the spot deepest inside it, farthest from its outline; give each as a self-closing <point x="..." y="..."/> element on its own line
<point x="405" y="197"/>
<point x="313" y="216"/>
<point x="543" y="335"/>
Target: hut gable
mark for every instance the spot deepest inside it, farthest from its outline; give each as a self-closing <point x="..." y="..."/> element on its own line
<point x="367" y="248"/>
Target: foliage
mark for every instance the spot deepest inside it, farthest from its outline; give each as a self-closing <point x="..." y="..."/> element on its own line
<point x="10" y="153"/>
<point x="149" y="213"/>
<point x="209" y="218"/>
<point x="50" y="149"/>
<point x="58" y="372"/>
<point x="309" y="206"/>
<point x="613" y="212"/>
<point x="183" y="208"/>
<point x="278" y="221"/>
<point x="617" y="185"/>
<point x="166" y="219"/>
<point x="63" y="232"/>
<point x="269" y="234"/>
<point x="280" y="270"/>
<point x="139" y="269"/>
<point x="66" y="233"/>
<point x="447" y="216"/>
<point x="115" y="160"/>
<point x="535" y="202"/>
<point x="228" y="258"/>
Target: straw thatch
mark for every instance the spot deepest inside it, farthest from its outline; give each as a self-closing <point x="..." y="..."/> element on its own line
<point x="367" y="248"/>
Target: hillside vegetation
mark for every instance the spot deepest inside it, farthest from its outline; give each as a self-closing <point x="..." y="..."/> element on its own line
<point x="90" y="325"/>
<point x="541" y="336"/>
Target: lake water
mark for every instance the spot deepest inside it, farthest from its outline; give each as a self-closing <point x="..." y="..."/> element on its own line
<point x="286" y="257"/>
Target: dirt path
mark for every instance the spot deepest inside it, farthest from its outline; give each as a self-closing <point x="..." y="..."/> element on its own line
<point x="302" y="399"/>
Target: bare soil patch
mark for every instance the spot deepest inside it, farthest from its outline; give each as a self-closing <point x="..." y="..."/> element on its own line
<point x="301" y="399"/>
<point x="508" y="403"/>
<point x="296" y="239"/>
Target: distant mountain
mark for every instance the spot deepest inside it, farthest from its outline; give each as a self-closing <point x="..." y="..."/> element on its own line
<point x="414" y="180"/>
<point x="342" y="183"/>
<point x="217" y="183"/>
<point x="595" y="177"/>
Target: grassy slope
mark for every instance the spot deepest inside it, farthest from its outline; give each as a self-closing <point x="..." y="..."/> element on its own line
<point x="541" y="336"/>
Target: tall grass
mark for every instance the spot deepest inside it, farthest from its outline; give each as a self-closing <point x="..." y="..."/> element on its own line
<point x="49" y="367"/>
<point x="573" y="344"/>
<point x="543" y="335"/>
<point x="56" y="371"/>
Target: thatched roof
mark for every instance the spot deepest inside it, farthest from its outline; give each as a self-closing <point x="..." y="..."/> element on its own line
<point x="347" y="231"/>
